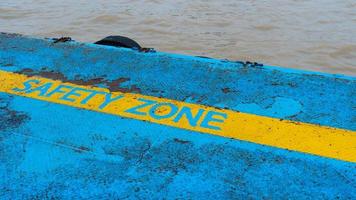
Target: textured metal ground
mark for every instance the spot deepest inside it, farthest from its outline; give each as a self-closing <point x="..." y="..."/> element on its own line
<point x="50" y="150"/>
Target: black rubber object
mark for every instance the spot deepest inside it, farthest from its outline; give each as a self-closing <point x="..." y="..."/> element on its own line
<point x="119" y="41"/>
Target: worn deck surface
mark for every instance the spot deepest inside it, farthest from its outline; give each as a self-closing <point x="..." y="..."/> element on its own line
<point x="53" y="148"/>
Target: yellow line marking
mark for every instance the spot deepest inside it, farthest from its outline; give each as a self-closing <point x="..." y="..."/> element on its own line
<point x="303" y="137"/>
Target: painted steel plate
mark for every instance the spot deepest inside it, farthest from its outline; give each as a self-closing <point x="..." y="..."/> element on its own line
<point x="88" y="121"/>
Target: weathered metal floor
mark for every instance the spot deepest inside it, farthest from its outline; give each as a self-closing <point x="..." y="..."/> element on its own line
<point x="88" y="121"/>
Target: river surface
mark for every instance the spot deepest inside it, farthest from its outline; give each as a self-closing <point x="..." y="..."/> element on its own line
<point x="317" y="35"/>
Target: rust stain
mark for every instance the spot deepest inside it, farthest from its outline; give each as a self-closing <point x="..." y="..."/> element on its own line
<point x="52" y="75"/>
<point x="10" y="119"/>
<point x="93" y="81"/>
<point x="114" y="85"/>
<point x="26" y="71"/>
<point x="226" y="90"/>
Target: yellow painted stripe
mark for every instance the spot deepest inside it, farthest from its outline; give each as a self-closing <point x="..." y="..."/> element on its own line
<point x="303" y="137"/>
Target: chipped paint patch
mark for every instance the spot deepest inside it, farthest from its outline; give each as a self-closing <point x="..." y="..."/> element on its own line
<point x="281" y="107"/>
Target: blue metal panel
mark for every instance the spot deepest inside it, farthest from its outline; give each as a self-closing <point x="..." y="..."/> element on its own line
<point x="317" y="98"/>
<point x="55" y="151"/>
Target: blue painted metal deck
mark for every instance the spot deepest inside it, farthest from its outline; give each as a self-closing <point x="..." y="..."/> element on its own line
<point x="50" y="150"/>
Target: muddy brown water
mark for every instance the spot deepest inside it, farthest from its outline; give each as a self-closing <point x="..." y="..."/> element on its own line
<point x="317" y="35"/>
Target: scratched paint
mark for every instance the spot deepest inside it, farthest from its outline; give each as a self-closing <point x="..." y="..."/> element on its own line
<point x="70" y="61"/>
<point x="51" y="150"/>
<point x="307" y="138"/>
